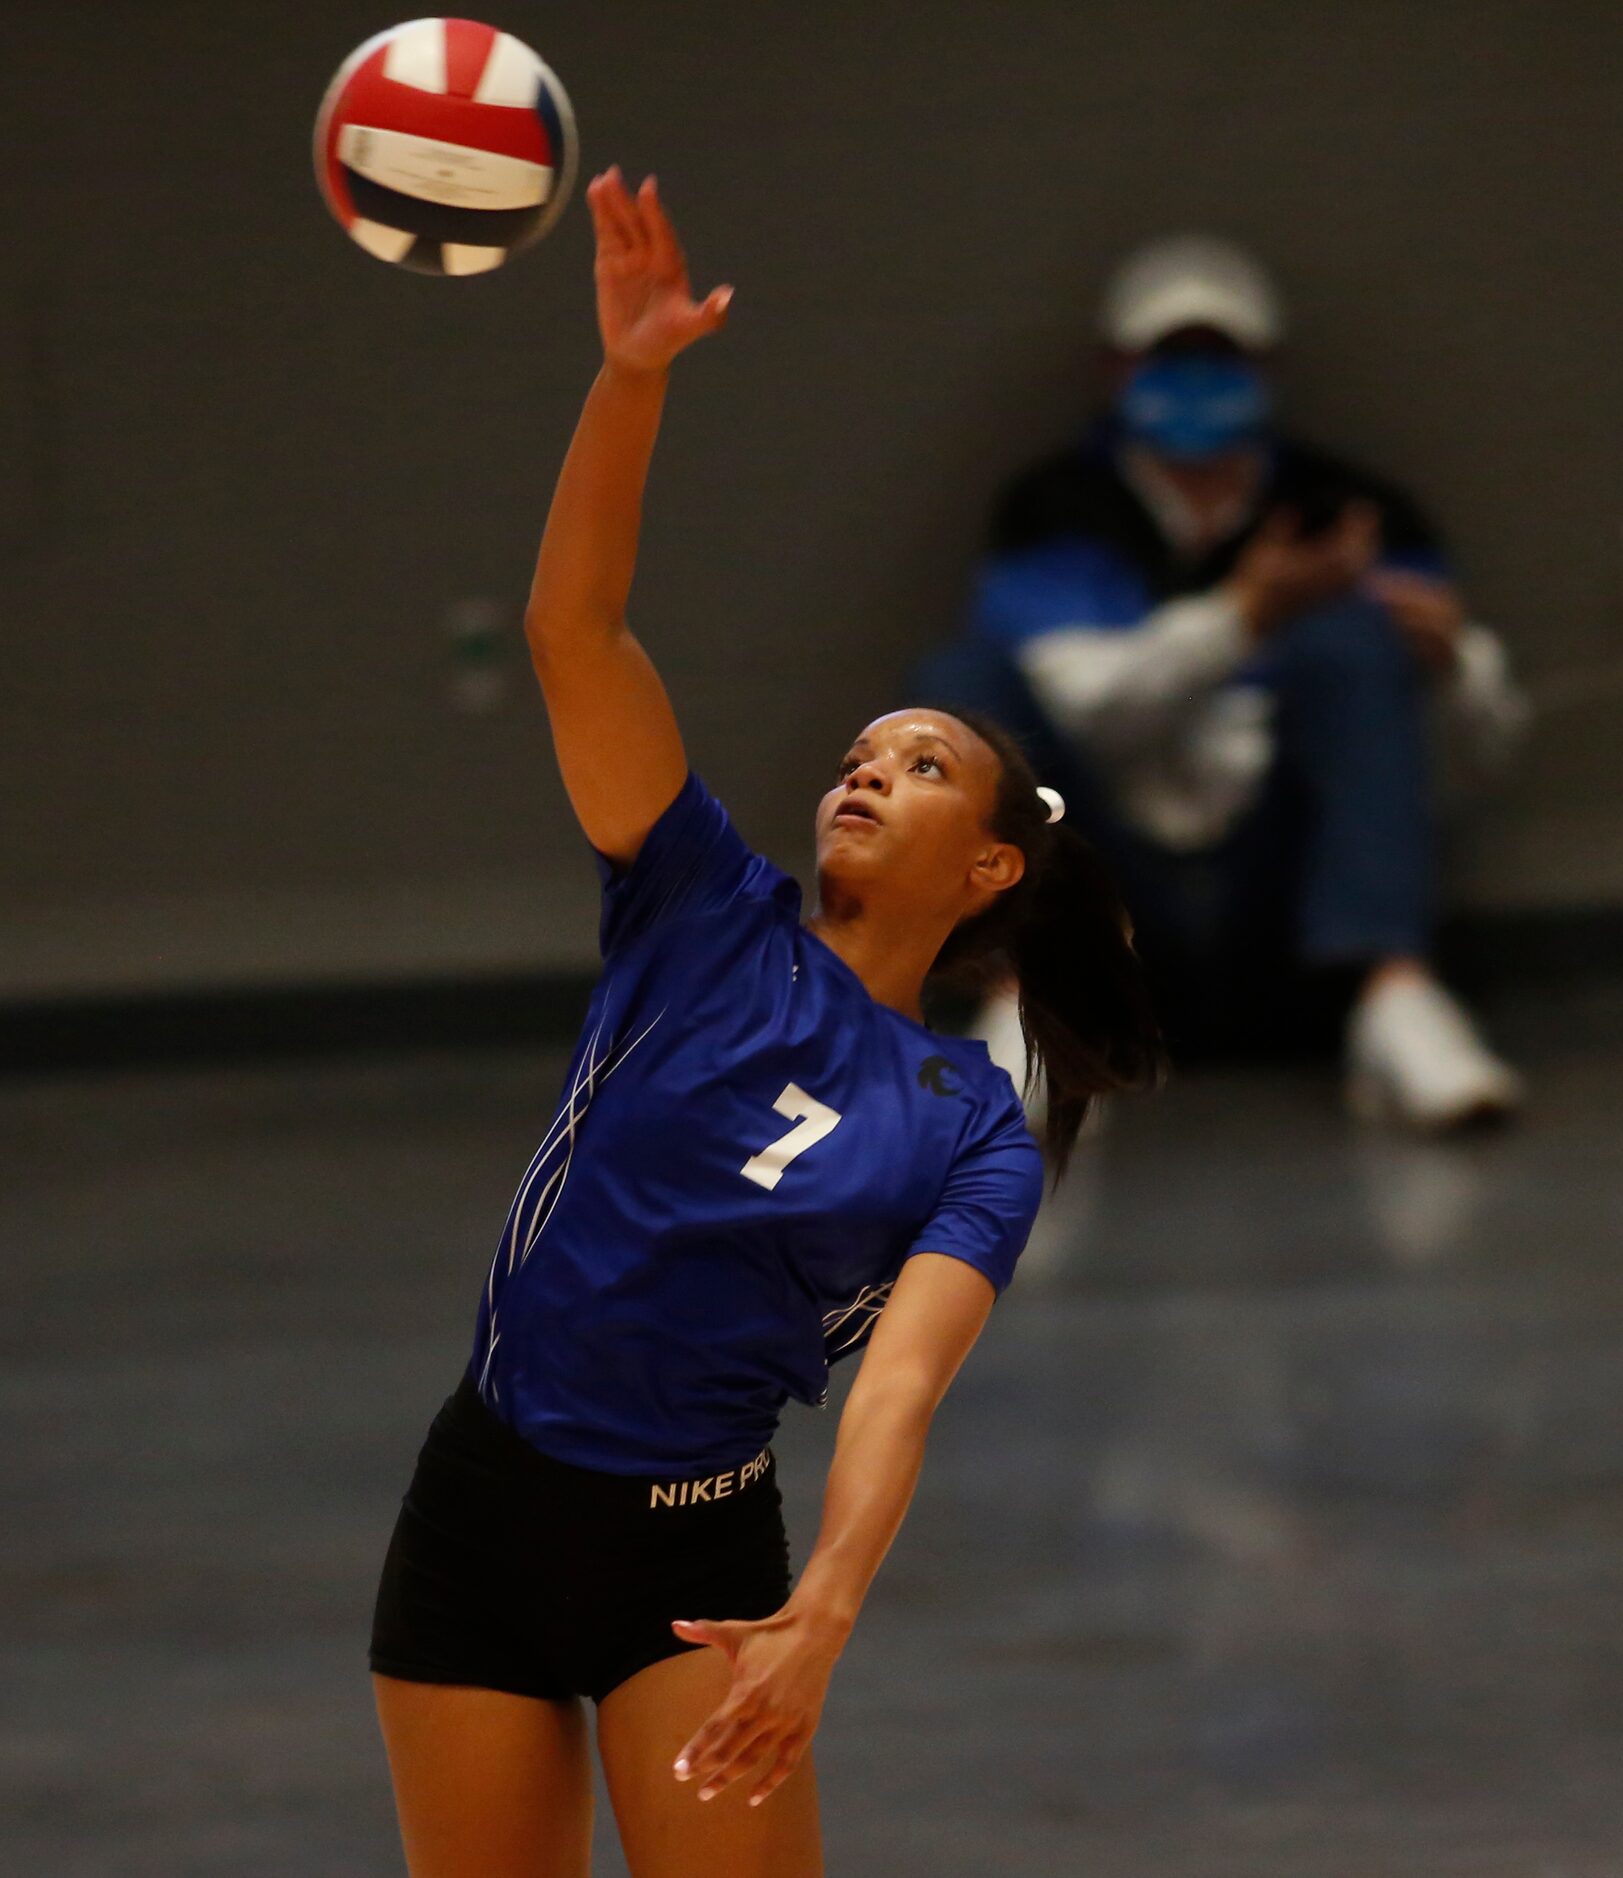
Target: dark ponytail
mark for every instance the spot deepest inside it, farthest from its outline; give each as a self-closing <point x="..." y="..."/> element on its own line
<point x="1064" y="936"/>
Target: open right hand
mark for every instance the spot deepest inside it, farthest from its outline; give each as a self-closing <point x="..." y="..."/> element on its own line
<point x="646" y="312"/>
<point x="1281" y="573"/>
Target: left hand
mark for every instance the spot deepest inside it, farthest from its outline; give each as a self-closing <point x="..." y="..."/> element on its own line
<point x="1428" y="612"/>
<point x="781" y="1668"/>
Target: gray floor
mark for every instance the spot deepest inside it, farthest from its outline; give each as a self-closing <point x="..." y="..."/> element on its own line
<point x="1276" y="1527"/>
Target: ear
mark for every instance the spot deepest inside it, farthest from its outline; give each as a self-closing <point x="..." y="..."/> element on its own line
<point x="997" y="868"/>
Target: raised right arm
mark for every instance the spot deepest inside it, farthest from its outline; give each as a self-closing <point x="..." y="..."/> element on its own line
<point x="618" y="745"/>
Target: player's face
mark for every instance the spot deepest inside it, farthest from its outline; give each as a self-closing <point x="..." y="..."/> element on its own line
<point x="912" y="804"/>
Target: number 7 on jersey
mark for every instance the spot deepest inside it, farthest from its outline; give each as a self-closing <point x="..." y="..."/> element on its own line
<point x="814" y="1119"/>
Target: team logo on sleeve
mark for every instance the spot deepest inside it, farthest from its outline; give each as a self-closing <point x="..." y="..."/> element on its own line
<point x="939" y="1076"/>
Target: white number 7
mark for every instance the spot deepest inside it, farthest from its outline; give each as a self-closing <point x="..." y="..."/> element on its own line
<point x="815" y="1119"/>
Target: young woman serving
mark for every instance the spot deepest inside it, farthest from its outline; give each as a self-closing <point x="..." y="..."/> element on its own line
<point x="762" y="1161"/>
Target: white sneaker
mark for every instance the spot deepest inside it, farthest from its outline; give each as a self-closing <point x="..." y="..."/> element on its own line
<point x="1415" y="1057"/>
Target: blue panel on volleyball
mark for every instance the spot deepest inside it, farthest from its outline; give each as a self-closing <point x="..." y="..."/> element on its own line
<point x="439" y="221"/>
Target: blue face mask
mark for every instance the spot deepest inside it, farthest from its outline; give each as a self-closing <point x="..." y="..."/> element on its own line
<point x="1192" y="405"/>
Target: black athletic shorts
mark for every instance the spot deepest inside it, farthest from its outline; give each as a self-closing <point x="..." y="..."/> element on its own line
<point x="509" y="1570"/>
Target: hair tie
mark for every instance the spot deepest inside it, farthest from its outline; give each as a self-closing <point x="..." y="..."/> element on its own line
<point x="1053" y="801"/>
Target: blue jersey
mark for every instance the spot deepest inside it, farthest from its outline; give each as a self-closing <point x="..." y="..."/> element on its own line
<point x="747" y="1149"/>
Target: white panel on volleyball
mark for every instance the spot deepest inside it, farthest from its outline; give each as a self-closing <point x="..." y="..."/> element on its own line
<point x="512" y="75"/>
<point x="457" y="258"/>
<point x="388" y="244"/>
<point x="450" y="173"/>
<point x="416" y="56"/>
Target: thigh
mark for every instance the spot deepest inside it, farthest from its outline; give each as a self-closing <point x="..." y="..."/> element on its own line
<point x="666" y="1830"/>
<point x="487" y="1785"/>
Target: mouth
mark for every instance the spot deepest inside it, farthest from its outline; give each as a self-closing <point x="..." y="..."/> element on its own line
<point x="855" y="813"/>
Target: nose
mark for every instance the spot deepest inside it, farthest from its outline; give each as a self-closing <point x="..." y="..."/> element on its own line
<point x="868" y="775"/>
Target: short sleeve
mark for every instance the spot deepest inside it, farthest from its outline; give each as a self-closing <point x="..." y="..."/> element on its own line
<point x="692" y="861"/>
<point x="989" y="1200"/>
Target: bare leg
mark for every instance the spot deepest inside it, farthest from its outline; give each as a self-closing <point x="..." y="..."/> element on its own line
<point x="666" y="1829"/>
<point x="487" y="1785"/>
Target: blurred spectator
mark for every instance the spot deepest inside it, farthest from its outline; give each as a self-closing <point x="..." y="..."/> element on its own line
<point x="1246" y="665"/>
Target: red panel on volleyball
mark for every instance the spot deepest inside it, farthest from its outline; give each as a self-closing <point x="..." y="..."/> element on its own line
<point x="451" y="116"/>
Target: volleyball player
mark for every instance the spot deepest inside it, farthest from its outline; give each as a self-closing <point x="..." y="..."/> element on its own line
<point x="763" y="1160"/>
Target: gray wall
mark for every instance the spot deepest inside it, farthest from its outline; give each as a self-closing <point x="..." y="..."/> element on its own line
<point x="248" y="468"/>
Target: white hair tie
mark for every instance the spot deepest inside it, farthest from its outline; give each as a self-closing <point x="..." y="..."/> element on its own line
<point x="1053" y="801"/>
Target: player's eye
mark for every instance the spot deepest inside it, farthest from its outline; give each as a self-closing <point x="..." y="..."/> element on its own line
<point x="846" y="767"/>
<point x="929" y="762"/>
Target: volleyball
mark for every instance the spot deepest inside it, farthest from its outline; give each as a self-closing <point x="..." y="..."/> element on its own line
<point x="444" y="145"/>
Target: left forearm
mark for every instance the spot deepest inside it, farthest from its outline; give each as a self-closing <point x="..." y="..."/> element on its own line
<point x="877" y="1457"/>
<point x="781" y="1664"/>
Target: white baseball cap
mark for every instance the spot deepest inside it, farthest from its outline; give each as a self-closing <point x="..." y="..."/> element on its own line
<point x="1190" y="280"/>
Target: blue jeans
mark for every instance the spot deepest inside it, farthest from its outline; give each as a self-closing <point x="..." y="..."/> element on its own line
<point x="1333" y="865"/>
